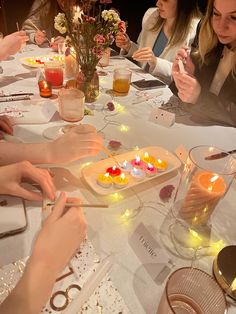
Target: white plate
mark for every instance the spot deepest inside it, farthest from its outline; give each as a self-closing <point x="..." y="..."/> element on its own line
<point x="90" y="173"/>
<point x="31" y="61"/>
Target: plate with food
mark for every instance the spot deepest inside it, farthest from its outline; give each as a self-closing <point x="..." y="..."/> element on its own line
<point x="39" y="61"/>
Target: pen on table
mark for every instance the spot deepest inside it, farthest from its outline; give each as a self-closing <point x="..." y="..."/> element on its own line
<point x="17" y="94"/>
<point x="89" y="287"/>
<point x="81" y="205"/>
<point x="220" y="155"/>
<point x="14" y="98"/>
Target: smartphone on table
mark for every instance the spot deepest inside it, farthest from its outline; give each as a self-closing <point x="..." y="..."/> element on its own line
<point x="13" y="218"/>
<point x="148" y="84"/>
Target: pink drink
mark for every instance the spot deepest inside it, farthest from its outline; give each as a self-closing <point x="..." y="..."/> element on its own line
<point x="54" y="74"/>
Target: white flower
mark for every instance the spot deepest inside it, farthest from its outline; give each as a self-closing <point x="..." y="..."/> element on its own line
<point x="60" y="23"/>
<point x="77" y="16"/>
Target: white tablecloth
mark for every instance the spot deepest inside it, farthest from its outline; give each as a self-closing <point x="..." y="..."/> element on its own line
<point x="107" y="231"/>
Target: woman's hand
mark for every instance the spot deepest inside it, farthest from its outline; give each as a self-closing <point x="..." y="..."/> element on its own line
<point x="12" y="43"/>
<point x="61" y="235"/>
<point x="145" y="55"/>
<point x="11" y="178"/>
<point x="183" y="55"/>
<point x="40" y="37"/>
<point x="79" y="142"/>
<point x="5" y="125"/>
<point x="122" y="41"/>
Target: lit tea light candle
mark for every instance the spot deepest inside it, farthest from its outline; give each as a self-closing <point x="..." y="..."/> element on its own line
<point x="45" y="89"/>
<point x="113" y="171"/>
<point x="125" y="166"/>
<point x="105" y="180"/>
<point x="137" y="162"/>
<point x="121" y="181"/>
<point x="150" y="170"/>
<point x="138" y="174"/>
<point x="161" y="165"/>
<point x="148" y="158"/>
<point x="205" y="192"/>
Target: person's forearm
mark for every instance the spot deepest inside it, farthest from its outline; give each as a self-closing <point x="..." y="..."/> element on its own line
<point x="3" y="52"/>
<point x="36" y="153"/>
<point x="32" y="291"/>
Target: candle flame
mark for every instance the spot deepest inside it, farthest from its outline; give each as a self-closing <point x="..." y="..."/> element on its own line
<point x="159" y="161"/>
<point x="137" y="159"/>
<point x="135" y="170"/>
<point x="125" y="163"/>
<point x="107" y="174"/>
<point x="146" y="155"/>
<point x="122" y="176"/>
<point x="214" y="178"/>
<point x="114" y="168"/>
<point x="150" y="166"/>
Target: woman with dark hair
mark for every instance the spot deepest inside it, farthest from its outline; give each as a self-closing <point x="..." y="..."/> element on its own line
<point x="41" y="15"/>
<point x="208" y="82"/>
<point x="164" y="30"/>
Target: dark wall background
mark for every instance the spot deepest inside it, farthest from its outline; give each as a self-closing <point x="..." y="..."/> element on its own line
<point x="130" y="11"/>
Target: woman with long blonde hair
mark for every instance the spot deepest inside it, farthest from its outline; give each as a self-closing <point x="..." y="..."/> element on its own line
<point x="164" y="30"/>
<point x="209" y="78"/>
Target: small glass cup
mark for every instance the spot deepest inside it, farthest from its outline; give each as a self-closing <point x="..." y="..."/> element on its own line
<point x="45" y="89"/>
<point x="121" y="81"/>
<point x="71" y="104"/>
<point x="192" y="291"/>
<point x="104" y="61"/>
<point x="54" y="73"/>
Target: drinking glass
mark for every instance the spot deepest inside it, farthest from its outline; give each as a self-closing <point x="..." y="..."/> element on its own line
<point x="54" y="73"/>
<point x="71" y="104"/>
<point x="121" y="81"/>
<point x="192" y="291"/>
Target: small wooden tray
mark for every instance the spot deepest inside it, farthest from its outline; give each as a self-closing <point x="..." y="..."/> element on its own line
<point x="91" y="172"/>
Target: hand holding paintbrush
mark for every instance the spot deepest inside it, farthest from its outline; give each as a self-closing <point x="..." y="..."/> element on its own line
<point x="40" y="36"/>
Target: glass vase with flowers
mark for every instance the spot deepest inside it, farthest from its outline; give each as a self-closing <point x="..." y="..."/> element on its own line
<point x="90" y="30"/>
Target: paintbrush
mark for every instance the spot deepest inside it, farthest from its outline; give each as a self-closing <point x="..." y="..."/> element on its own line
<point x="80" y="205"/>
<point x="38" y="30"/>
<point x="220" y="155"/>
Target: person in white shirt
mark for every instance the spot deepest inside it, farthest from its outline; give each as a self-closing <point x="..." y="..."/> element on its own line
<point x="164" y="30"/>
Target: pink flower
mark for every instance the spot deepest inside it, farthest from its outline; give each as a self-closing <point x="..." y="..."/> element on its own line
<point x="122" y="26"/>
<point x="99" y="39"/>
<point x="97" y="51"/>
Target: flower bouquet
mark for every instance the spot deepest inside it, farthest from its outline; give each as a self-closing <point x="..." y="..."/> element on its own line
<point x="90" y="30"/>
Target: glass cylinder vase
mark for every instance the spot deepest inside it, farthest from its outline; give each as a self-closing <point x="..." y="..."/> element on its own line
<point x="89" y="84"/>
<point x="205" y="180"/>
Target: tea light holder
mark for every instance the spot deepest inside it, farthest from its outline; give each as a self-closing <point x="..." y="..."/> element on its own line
<point x="125" y="166"/>
<point x="105" y="180"/>
<point x="121" y="181"/>
<point x="148" y="158"/>
<point x="138" y="174"/>
<point x="150" y="170"/>
<point x="113" y="171"/>
<point x="160" y="164"/>
<point x="137" y="162"/>
<point x="45" y="89"/>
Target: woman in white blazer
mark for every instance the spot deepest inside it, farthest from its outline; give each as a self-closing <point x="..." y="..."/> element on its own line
<point x="164" y="30"/>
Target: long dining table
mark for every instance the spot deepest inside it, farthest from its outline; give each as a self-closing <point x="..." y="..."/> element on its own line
<point x="112" y="230"/>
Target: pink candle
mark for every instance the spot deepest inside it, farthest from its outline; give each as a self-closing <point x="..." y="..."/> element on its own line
<point x="137" y="162"/>
<point x="150" y="170"/>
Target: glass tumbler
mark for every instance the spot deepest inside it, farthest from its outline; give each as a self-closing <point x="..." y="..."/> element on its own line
<point x="192" y="291"/>
<point x="71" y="104"/>
<point x="54" y="73"/>
<point x="121" y="81"/>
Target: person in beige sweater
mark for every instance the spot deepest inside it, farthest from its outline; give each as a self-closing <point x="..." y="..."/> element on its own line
<point x="165" y="30"/>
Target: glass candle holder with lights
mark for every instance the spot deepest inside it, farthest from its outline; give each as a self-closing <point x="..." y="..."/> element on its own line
<point x="203" y="185"/>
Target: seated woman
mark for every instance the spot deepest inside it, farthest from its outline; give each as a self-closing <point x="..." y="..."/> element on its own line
<point x="164" y="30"/>
<point x="42" y="15"/>
<point x="208" y="82"/>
